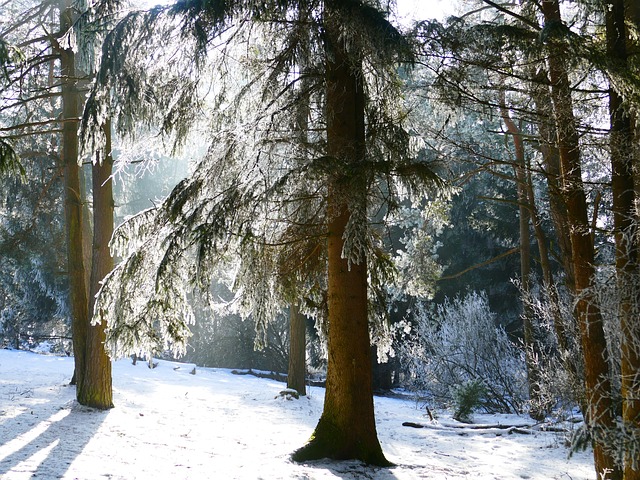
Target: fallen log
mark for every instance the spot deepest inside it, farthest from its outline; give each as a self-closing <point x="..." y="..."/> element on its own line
<point x="497" y="429"/>
<point x="412" y="424"/>
<point x="484" y="426"/>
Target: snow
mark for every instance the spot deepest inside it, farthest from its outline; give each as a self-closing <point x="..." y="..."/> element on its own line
<point x="169" y="423"/>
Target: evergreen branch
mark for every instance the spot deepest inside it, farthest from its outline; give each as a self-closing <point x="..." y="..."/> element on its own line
<point x="37" y="124"/>
<point x="9" y="160"/>
<point x="513" y="14"/>
<point x="33" y="133"/>
<point x="21" y="102"/>
<point x="9" y="55"/>
<point x="18" y="238"/>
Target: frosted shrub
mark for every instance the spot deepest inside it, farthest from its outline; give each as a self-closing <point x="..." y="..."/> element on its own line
<point x="558" y="362"/>
<point x="460" y="344"/>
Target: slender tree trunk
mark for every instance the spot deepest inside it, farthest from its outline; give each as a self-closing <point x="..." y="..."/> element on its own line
<point x="558" y="211"/>
<point x="87" y="225"/>
<point x="545" y="265"/>
<point x="87" y="238"/>
<point x="297" y="351"/>
<point x="537" y="410"/>
<point x="297" y="322"/>
<point x="346" y="429"/>
<point x="600" y="414"/>
<point x="625" y="225"/>
<point x="78" y="304"/>
<point x="551" y="159"/>
<point x="96" y="389"/>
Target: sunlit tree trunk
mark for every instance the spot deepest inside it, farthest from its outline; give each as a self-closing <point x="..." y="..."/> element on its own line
<point x="524" y="217"/>
<point x="625" y="225"/>
<point x="78" y="304"/>
<point x="551" y="160"/>
<point x="346" y="429"/>
<point x="297" y="351"/>
<point x="600" y="414"/>
<point x="558" y="212"/>
<point x="96" y="389"/>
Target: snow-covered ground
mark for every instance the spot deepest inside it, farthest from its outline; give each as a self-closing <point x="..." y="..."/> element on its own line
<point x="169" y="424"/>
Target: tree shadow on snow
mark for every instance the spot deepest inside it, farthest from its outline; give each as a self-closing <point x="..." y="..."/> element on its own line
<point x="46" y="444"/>
<point x="352" y="470"/>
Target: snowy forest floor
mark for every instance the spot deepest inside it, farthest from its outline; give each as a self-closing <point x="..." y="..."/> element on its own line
<point x="169" y="424"/>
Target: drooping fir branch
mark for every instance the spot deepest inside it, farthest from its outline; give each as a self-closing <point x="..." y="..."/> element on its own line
<point x="257" y="200"/>
<point x="9" y="160"/>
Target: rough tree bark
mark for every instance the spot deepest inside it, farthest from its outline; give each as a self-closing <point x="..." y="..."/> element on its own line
<point x="600" y="413"/>
<point x="557" y="208"/>
<point x="346" y="429"/>
<point x="297" y="351"/>
<point x="96" y="389"/>
<point x="78" y="304"/>
<point x="625" y="224"/>
<point x="551" y="159"/>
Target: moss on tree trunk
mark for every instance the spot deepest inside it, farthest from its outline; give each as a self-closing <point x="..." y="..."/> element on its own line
<point x="346" y="429"/>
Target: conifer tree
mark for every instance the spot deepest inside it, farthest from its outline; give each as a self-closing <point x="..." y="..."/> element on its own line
<point x="8" y="158"/>
<point x="563" y="56"/>
<point x="623" y="186"/>
<point x="57" y="44"/>
<point x="261" y="195"/>
<point x="71" y="110"/>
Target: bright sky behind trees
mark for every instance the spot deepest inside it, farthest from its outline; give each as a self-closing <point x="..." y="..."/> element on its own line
<point x="407" y="9"/>
<point x="423" y="9"/>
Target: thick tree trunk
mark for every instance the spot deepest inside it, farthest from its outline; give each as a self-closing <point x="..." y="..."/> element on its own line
<point x="600" y="414"/>
<point x="297" y="351"/>
<point x="96" y="390"/>
<point x="78" y="304"/>
<point x="625" y="225"/>
<point x="346" y="429"/>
